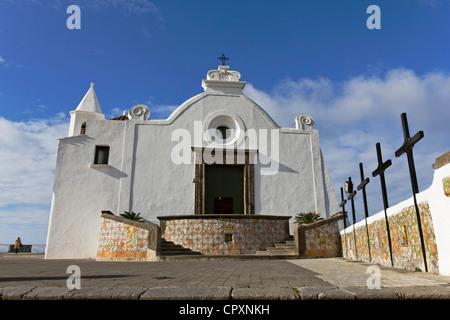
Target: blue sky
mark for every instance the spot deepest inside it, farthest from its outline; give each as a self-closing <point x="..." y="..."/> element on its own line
<point x="314" y="57"/>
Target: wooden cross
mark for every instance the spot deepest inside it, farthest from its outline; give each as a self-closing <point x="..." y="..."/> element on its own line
<point x="407" y="147"/>
<point x="362" y="186"/>
<point x="379" y="171"/>
<point x="342" y="205"/>
<point x="351" y="195"/>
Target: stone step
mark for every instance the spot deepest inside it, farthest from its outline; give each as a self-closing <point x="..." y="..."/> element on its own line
<point x="284" y="245"/>
<point x="179" y="253"/>
<point x="280" y="249"/>
<point x="168" y="248"/>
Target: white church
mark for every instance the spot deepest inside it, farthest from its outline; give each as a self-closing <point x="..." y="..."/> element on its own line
<point x="218" y="153"/>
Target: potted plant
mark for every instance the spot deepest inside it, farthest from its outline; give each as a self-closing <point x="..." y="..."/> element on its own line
<point x="306" y="218"/>
<point x="132" y="216"/>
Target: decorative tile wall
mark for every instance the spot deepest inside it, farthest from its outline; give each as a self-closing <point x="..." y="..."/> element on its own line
<point x="405" y="238"/>
<point x="120" y="241"/>
<point x="323" y="240"/>
<point x="225" y="236"/>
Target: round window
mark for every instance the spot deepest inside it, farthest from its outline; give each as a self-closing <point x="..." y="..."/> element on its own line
<point x="223" y="132"/>
<point x="222" y="127"/>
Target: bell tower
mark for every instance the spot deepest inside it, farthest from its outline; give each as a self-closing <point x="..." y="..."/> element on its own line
<point x="88" y="109"/>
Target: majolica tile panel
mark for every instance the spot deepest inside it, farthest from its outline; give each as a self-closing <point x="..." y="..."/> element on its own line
<point x="323" y="240"/>
<point x="405" y="239"/>
<point x="119" y="241"/>
<point x="225" y="236"/>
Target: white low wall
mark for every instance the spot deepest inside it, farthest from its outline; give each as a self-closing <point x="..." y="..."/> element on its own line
<point x="440" y="212"/>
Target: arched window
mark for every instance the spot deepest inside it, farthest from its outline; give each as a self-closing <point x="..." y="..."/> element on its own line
<point x="83" y="128"/>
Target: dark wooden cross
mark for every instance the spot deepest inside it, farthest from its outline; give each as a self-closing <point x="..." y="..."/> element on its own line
<point x="351" y="195"/>
<point x="223" y="58"/>
<point x="362" y="186"/>
<point x="342" y="205"/>
<point x="379" y="171"/>
<point x="407" y="147"/>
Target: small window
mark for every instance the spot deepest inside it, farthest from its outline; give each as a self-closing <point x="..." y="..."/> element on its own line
<point x="83" y="128"/>
<point x="101" y="154"/>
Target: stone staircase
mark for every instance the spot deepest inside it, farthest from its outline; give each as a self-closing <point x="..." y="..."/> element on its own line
<point x="168" y="248"/>
<point x="174" y="252"/>
<point x="280" y="249"/>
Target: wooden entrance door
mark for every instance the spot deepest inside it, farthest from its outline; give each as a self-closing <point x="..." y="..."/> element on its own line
<point x="224" y="189"/>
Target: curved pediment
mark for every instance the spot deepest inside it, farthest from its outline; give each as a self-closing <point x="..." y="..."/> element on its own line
<point x="223" y="94"/>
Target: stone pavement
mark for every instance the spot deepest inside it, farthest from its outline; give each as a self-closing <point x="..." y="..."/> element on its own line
<point x="30" y="277"/>
<point x="210" y="288"/>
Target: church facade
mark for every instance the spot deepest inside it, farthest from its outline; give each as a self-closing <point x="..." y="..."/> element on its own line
<point x="217" y="153"/>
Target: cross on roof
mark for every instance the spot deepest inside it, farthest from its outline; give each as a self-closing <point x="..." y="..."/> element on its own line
<point x="223" y="58"/>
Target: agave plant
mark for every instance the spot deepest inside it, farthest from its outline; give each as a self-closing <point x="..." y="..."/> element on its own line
<point x="132" y="216"/>
<point x="306" y="218"/>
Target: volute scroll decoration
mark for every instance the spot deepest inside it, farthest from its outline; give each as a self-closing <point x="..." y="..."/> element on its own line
<point x="139" y="112"/>
<point x="304" y="122"/>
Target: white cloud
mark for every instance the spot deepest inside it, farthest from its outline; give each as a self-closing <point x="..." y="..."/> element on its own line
<point x="8" y="63"/>
<point x="115" y="112"/>
<point x="350" y="116"/>
<point x="28" y="152"/>
<point x="162" y="111"/>
<point x="354" y="115"/>
<point x="30" y="223"/>
<point x="28" y="159"/>
<point x="132" y="6"/>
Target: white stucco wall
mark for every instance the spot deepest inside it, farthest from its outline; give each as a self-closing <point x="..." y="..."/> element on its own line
<point x="81" y="192"/>
<point x="440" y="213"/>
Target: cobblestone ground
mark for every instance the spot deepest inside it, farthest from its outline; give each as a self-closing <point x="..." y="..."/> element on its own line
<point x="234" y="273"/>
<point x="30" y="277"/>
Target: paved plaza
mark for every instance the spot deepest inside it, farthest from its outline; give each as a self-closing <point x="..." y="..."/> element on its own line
<point x="30" y="277"/>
